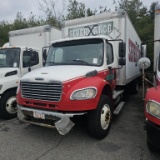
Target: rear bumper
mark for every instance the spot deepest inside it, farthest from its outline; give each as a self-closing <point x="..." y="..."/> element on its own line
<point x="50" y="119"/>
<point x="153" y="134"/>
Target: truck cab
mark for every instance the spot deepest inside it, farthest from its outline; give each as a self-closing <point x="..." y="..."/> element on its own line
<point x="86" y="73"/>
<point x="14" y="63"/>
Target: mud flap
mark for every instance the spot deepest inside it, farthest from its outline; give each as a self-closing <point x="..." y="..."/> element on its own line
<point x="64" y="125"/>
<point x="20" y="114"/>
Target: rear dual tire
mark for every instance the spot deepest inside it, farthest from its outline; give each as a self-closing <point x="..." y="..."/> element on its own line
<point x="132" y="88"/>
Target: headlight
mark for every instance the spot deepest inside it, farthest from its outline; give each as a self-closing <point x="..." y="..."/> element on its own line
<point x="153" y="108"/>
<point x="86" y="93"/>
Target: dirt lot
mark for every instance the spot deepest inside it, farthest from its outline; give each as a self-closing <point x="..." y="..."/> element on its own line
<point x="126" y="140"/>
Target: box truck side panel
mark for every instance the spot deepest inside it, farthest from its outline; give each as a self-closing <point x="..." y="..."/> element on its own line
<point x="36" y="40"/>
<point x="55" y="34"/>
<point x="133" y="53"/>
<point x="119" y="30"/>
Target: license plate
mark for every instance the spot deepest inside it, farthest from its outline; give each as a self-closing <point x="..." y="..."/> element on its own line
<point x="38" y="115"/>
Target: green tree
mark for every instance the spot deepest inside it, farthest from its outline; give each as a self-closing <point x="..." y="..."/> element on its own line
<point x="54" y="16"/>
<point x="32" y="21"/>
<point x="89" y="12"/>
<point x="104" y="9"/>
<point x="133" y="8"/>
<point x="77" y="10"/>
<point x="141" y="17"/>
<point x="5" y="27"/>
<point x="19" y="23"/>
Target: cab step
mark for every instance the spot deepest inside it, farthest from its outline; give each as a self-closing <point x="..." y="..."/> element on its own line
<point x="118" y="108"/>
<point x="117" y="93"/>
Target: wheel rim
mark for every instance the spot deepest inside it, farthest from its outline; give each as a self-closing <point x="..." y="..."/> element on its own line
<point x="11" y="105"/>
<point x="105" y="117"/>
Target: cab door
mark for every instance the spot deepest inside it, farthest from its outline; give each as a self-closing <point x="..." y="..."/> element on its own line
<point x="111" y="74"/>
<point x="30" y="61"/>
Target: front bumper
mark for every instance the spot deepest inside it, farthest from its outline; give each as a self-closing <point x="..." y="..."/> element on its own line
<point x="50" y="119"/>
<point x="153" y="134"/>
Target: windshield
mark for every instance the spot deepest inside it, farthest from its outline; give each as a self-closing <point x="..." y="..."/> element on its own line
<point x="9" y="57"/>
<point x="76" y="52"/>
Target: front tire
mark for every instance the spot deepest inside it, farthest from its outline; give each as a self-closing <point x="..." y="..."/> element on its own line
<point x="99" y="120"/>
<point x="8" y="105"/>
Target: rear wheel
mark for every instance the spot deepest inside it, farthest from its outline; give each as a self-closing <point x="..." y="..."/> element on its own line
<point x="8" y="105"/>
<point x="99" y="120"/>
<point x="133" y="87"/>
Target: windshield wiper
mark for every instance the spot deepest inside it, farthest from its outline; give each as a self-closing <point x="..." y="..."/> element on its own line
<point x="80" y="61"/>
<point x="49" y="63"/>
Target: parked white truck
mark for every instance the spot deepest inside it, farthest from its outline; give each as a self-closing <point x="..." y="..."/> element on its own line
<point x="85" y="74"/>
<point x="22" y="54"/>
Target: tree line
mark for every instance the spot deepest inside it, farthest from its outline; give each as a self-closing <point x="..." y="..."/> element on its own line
<point x="141" y="17"/>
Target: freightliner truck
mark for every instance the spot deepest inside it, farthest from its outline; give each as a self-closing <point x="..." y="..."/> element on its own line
<point x="86" y="75"/>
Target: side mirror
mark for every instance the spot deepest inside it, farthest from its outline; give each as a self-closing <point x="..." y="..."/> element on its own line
<point x="122" y="49"/>
<point x="44" y="54"/>
<point x="143" y="50"/>
<point x="122" y="61"/>
<point x="33" y="59"/>
<point x="29" y="69"/>
<point x="144" y="63"/>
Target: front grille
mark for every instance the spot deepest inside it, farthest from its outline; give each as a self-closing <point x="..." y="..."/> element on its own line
<point x="42" y="91"/>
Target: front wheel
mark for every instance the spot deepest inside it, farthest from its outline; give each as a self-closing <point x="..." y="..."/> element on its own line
<point x="99" y="120"/>
<point x="8" y="105"/>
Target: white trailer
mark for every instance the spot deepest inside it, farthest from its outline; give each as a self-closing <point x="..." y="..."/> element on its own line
<point x="85" y="73"/>
<point x="23" y="53"/>
<point x="36" y="37"/>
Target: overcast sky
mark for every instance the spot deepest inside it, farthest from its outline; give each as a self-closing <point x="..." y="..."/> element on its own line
<point x="9" y="8"/>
